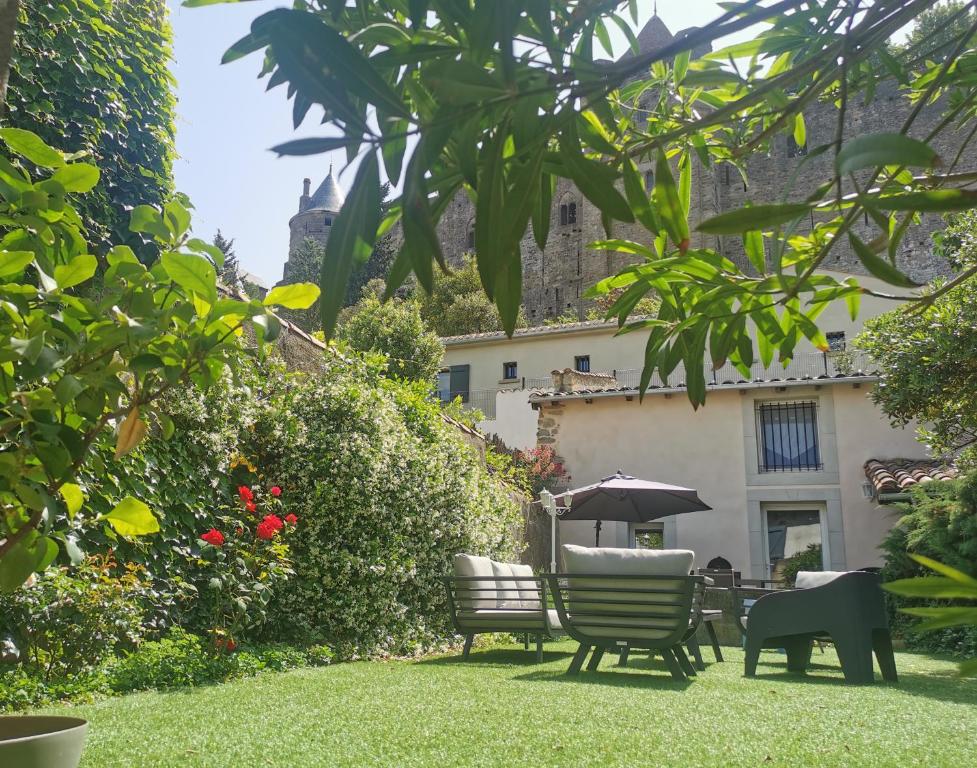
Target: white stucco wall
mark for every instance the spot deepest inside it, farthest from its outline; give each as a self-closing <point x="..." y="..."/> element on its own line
<point x="713" y="450"/>
<point x="515" y="420"/>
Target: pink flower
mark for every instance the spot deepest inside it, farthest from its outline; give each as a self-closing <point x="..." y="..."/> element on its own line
<point x="291" y="519"/>
<point x="276" y="491"/>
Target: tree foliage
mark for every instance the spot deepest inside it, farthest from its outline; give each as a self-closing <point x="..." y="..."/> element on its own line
<point x="230" y="272"/>
<point x="457" y="305"/>
<point x="73" y="368"/>
<point x="92" y="76"/>
<point x="505" y="97"/>
<point x="395" y="329"/>
<point x="927" y="358"/>
<point x="937" y="29"/>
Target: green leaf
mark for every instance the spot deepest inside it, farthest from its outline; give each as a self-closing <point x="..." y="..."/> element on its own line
<point x="946" y="570"/>
<point x="800" y="130"/>
<point x="929" y="201"/>
<point x="543" y="210"/>
<point x="32" y="553"/>
<point x="192" y="273"/>
<point x="76" y="271"/>
<point x="293" y="296"/>
<point x="314" y="146"/>
<point x="638" y="197"/>
<point x="877" y="266"/>
<point x="73" y="498"/>
<point x="874" y="149"/>
<point x="351" y="240"/>
<point x="943" y="617"/>
<point x="77" y="177"/>
<point x="31" y="146"/>
<point x="753" y="245"/>
<point x="669" y="205"/>
<point x="936" y="587"/>
<point x="13" y="262"/>
<point x="593" y="180"/>
<point x="752" y="217"/>
<point x="132" y="517"/>
<point x="145" y="218"/>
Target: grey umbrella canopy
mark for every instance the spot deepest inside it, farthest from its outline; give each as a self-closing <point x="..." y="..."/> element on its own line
<point x="627" y="499"/>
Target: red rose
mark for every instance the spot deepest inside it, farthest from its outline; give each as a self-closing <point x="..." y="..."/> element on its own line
<point x="291" y="519"/>
<point x="213" y="536"/>
<point x="230" y="645"/>
<point x="266" y="530"/>
<point x="274" y="521"/>
<point x="276" y="491"/>
<point x="239" y="530"/>
<point x="250" y="506"/>
<point x="245" y="493"/>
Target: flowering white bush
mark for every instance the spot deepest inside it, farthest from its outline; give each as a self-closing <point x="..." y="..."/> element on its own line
<point x="388" y="492"/>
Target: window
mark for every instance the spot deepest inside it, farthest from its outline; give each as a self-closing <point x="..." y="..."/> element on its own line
<point x="328" y="221"/>
<point x="471" y="238"/>
<point x="649" y="181"/>
<point x="510" y="371"/>
<point x="582" y="363"/>
<point x="793" y="533"/>
<point x="568" y="214"/>
<point x="787" y="437"/>
<point x="836" y="341"/>
<point x="453" y="382"/>
<point x="794" y="149"/>
<point x="649" y="536"/>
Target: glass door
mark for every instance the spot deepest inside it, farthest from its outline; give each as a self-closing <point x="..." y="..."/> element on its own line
<point x="794" y="536"/>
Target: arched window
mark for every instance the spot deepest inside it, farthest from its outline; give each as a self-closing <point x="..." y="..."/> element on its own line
<point x="720" y="563"/>
<point x="568" y="211"/>
<point x="564" y="215"/>
<point x="572" y="213"/>
<point x="649" y="180"/>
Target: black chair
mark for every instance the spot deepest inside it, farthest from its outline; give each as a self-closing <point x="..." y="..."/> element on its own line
<point x="849" y="610"/>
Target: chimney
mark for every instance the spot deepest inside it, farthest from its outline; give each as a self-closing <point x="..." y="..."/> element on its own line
<point x="306" y="184"/>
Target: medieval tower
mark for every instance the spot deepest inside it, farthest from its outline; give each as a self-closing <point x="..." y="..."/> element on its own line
<point x="316" y="214"/>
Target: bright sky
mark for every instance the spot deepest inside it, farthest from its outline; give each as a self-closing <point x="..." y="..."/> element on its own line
<point x="226" y="123"/>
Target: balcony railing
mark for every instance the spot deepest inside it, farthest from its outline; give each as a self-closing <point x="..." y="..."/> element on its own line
<point x="806" y="367"/>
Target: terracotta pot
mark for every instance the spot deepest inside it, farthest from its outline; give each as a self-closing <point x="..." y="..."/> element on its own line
<point x="41" y="742"/>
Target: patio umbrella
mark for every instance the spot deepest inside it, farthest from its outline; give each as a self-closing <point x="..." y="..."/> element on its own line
<point x="627" y="499"/>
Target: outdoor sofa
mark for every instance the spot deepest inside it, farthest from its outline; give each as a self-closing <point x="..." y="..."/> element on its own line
<point x="485" y="596"/>
<point x="846" y="607"/>
<point x="621" y="600"/>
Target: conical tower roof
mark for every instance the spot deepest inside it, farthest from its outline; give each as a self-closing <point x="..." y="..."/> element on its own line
<point x="653" y="35"/>
<point x="328" y="196"/>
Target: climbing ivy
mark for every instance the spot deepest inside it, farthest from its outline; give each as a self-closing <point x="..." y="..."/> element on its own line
<point x="91" y="76"/>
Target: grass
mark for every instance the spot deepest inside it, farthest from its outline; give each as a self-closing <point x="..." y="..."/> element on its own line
<point x="501" y="709"/>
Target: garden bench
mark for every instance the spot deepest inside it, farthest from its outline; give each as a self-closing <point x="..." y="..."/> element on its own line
<point x="620" y="600"/>
<point x="485" y="596"/>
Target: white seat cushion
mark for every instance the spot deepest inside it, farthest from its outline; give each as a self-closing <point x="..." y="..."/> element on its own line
<point x="528" y="592"/>
<point x="501" y="614"/>
<point x="615" y="561"/>
<point x="508" y="590"/>
<point x="476" y="594"/>
<point x="809" y="579"/>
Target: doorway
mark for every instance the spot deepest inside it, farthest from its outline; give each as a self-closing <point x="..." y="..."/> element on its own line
<point x="792" y="532"/>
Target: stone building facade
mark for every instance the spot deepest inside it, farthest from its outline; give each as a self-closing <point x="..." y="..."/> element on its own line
<point x="555" y="278"/>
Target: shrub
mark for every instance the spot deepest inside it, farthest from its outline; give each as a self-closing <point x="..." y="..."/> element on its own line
<point x="940" y="522"/>
<point x="810" y="559"/>
<point x="71" y="619"/>
<point x="387" y="492"/>
<point x="182" y="659"/>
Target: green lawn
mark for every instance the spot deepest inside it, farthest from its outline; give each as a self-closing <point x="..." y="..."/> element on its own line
<point x="501" y="709"/>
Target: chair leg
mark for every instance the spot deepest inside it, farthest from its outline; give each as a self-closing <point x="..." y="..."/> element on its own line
<point x="696" y="652"/>
<point x="673" y="666"/>
<point x="798" y="653"/>
<point x="525" y="642"/>
<point x="578" y="659"/>
<point x="752" y="657"/>
<point x="683" y="660"/>
<point x="468" y="646"/>
<point x="539" y="649"/>
<point x="855" y="653"/>
<point x="882" y="645"/>
<point x="622" y="659"/>
<point x="711" y="631"/>
<point x="595" y="659"/>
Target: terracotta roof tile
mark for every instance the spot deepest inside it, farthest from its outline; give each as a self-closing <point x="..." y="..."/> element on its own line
<point x="896" y="475"/>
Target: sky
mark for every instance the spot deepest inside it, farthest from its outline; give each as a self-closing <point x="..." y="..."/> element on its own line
<point x="227" y="122"/>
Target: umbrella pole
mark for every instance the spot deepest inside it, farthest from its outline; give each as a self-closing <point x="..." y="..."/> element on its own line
<point x="597" y="534"/>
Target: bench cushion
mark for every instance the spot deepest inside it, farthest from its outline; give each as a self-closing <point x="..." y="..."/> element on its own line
<point x="810" y="579"/>
<point x="528" y="591"/>
<point x="627" y="562"/>
<point x="508" y="590"/>
<point x="476" y="594"/>
<point x="501" y="620"/>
